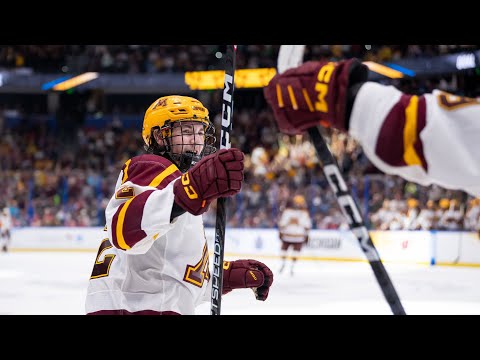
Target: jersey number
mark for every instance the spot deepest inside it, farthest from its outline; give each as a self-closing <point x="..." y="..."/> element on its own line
<point x="198" y="273"/>
<point x="452" y="102"/>
<point x="125" y="192"/>
<point x="102" y="265"/>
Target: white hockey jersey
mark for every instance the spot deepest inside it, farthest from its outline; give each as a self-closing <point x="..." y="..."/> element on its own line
<point x="426" y="139"/>
<point x="144" y="262"/>
<point x="5" y="220"/>
<point x="294" y="225"/>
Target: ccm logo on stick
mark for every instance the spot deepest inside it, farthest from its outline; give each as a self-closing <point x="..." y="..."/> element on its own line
<point x="350" y="210"/>
<point x="227" y="112"/>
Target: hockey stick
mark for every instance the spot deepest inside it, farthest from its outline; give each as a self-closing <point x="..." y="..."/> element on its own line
<point x="342" y="193"/>
<point x="225" y="143"/>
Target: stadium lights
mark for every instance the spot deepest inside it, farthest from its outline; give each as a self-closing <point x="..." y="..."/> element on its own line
<point x="402" y="69"/>
<point x="258" y="78"/>
<point x="205" y="80"/>
<point x="383" y="70"/>
<point x="49" y="85"/>
<point x="244" y="78"/>
<point x="66" y="83"/>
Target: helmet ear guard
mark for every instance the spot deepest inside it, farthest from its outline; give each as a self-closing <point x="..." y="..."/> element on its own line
<point x="150" y="143"/>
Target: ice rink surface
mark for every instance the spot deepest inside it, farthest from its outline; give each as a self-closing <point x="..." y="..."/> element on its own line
<point x="54" y="283"/>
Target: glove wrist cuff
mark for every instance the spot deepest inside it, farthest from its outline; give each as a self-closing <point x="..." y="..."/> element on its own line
<point x="351" y="95"/>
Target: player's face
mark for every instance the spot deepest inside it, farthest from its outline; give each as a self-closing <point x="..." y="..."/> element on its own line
<point x="188" y="136"/>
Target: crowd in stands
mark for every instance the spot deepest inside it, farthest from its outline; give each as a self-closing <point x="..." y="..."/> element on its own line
<point x="173" y="58"/>
<point x="47" y="183"/>
<point x="51" y="180"/>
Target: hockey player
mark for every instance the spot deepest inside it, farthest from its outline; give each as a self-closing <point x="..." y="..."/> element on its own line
<point x="294" y="227"/>
<point x="427" y="139"/>
<point x="154" y="257"/>
<point x="5" y="229"/>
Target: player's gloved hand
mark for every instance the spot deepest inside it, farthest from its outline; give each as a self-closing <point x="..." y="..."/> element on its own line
<point x="216" y="175"/>
<point x="316" y="91"/>
<point x="240" y="274"/>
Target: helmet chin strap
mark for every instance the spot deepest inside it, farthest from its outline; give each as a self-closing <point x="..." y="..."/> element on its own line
<point x="187" y="160"/>
<point x="184" y="161"/>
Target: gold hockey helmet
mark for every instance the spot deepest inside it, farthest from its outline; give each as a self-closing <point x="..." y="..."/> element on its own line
<point x="171" y="111"/>
<point x="299" y="200"/>
<point x="172" y="108"/>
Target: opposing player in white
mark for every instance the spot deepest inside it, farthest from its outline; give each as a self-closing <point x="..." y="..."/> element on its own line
<point x="294" y="226"/>
<point x="153" y="258"/>
<point x="5" y="229"/>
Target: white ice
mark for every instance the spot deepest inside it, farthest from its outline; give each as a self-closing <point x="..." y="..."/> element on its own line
<point x="54" y="283"/>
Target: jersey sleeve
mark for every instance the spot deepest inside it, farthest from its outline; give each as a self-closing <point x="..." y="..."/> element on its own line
<point x="284" y="219"/>
<point x="139" y="211"/>
<point x="425" y="139"/>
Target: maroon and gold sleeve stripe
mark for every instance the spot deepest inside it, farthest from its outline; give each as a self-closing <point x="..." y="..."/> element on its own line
<point x="125" y="170"/>
<point x="150" y="170"/>
<point x="127" y="222"/>
<point x="399" y="142"/>
<point x="165" y="177"/>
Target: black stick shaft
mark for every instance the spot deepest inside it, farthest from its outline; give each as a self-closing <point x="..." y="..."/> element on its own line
<point x="225" y="143"/>
<point x="355" y="220"/>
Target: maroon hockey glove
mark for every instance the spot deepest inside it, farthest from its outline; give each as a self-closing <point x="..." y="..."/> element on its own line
<point x="216" y="175"/>
<point x="240" y="274"/>
<point x="316" y="91"/>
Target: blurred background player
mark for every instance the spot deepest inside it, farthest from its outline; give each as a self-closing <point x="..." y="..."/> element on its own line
<point x="154" y="257"/>
<point x="5" y="229"/>
<point x="294" y="226"/>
